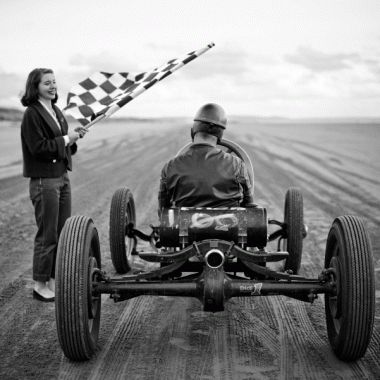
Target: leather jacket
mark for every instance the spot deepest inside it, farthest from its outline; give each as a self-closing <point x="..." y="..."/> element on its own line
<point x="205" y="176"/>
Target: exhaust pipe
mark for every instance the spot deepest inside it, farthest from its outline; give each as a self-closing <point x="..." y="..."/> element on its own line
<point x="214" y="258"/>
<point x="212" y="285"/>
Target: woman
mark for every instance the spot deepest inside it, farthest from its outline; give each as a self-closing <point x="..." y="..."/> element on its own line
<point x="47" y="147"/>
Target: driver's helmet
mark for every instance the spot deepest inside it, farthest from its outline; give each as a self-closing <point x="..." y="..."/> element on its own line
<point x="210" y="119"/>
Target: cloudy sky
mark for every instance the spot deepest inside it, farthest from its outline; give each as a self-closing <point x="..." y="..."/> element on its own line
<point x="291" y="58"/>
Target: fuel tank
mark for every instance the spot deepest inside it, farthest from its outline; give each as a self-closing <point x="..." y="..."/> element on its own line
<point x="245" y="226"/>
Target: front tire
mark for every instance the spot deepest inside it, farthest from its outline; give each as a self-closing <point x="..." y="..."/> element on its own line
<point x="350" y="311"/>
<point x="122" y="214"/>
<point x="77" y="308"/>
<point x="293" y="220"/>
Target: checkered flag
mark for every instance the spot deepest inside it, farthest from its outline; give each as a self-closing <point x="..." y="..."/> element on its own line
<point x="102" y="94"/>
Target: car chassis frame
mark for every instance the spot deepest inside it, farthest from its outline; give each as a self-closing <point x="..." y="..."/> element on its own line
<point x="214" y="287"/>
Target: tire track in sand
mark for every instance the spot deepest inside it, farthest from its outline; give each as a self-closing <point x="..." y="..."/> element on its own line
<point x="301" y="343"/>
<point x="112" y="359"/>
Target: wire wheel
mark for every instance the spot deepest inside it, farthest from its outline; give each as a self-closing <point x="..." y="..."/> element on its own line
<point x="122" y="215"/>
<point x="77" y="308"/>
<point x="350" y="310"/>
<point x="293" y="219"/>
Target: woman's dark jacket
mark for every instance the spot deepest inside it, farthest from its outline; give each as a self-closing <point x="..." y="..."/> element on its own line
<point x="43" y="146"/>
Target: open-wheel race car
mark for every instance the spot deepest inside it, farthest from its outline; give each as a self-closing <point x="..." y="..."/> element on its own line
<point x="214" y="254"/>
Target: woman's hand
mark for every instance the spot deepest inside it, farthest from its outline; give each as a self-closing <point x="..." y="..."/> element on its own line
<point x="81" y="130"/>
<point x="73" y="136"/>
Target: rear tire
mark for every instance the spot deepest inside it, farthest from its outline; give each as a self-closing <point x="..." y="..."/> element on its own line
<point x="350" y="312"/>
<point x="122" y="213"/>
<point x="293" y="219"/>
<point x="77" y="309"/>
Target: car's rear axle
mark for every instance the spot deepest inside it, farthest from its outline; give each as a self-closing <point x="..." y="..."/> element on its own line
<point x="213" y="288"/>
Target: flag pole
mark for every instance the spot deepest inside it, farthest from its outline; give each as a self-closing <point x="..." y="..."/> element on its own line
<point x="89" y="125"/>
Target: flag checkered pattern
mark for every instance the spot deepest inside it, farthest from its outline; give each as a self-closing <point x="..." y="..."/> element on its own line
<point x="105" y="93"/>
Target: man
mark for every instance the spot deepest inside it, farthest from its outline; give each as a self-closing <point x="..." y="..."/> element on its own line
<point x="205" y="176"/>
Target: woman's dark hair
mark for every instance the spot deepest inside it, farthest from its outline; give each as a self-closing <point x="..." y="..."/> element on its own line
<point x="30" y="95"/>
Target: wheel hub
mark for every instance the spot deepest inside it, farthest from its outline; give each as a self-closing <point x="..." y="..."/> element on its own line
<point x="335" y="298"/>
<point x="92" y="276"/>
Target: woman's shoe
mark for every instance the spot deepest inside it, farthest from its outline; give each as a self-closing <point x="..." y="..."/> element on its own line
<point x="37" y="296"/>
<point x="51" y="284"/>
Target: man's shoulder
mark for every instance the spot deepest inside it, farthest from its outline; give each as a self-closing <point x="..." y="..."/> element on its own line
<point x="231" y="157"/>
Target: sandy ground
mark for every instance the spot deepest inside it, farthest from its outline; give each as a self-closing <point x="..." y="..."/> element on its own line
<point x="337" y="168"/>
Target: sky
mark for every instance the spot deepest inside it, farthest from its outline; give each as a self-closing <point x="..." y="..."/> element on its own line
<point x="283" y="58"/>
